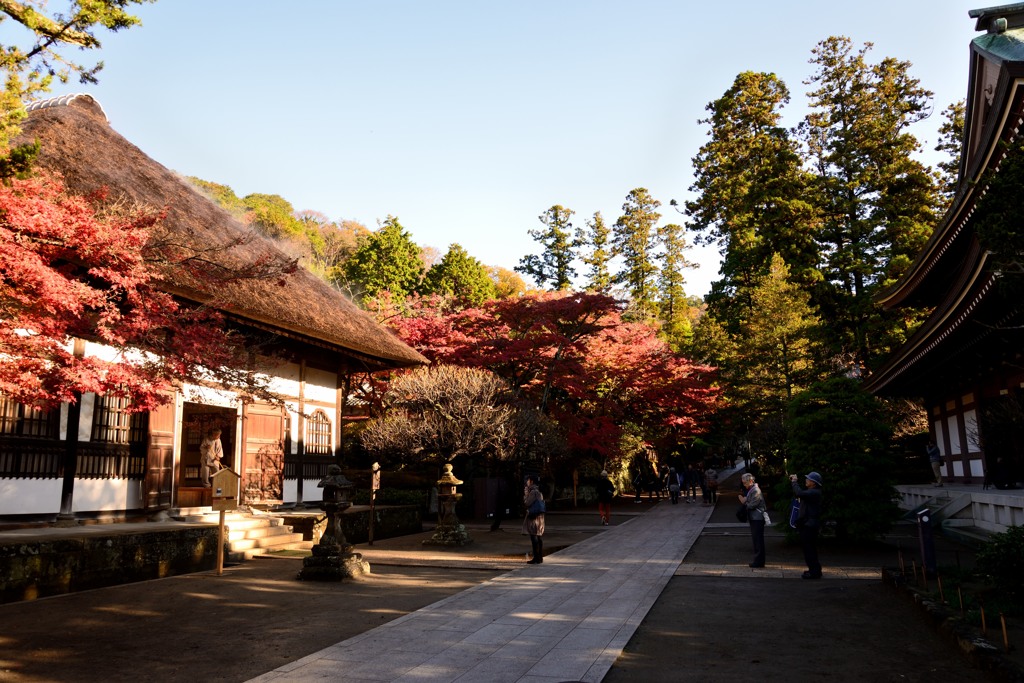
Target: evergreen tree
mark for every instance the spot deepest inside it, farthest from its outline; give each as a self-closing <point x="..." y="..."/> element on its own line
<point x="634" y="238"/>
<point x="840" y="431"/>
<point x="750" y="192"/>
<point x="673" y="307"/>
<point x="461" y="276"/>
<point x="878" y="203"/>
<point x="951" y="140"/>
<point x="596" y="238"/>
<point x="29" y="69"/>
<point x="554" y="264"/>
<point x="386" y="260"/>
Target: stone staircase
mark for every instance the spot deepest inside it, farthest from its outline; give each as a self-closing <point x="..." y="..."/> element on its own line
<point x="248" y="534"/>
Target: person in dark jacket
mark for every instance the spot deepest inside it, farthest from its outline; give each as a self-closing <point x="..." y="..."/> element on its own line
<point x="605" y="496"/>
<point x="533" y="525"/>
<point x="808" y="521"/>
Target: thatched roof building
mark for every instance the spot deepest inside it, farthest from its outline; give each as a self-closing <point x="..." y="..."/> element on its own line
<point x="79" y="144"/>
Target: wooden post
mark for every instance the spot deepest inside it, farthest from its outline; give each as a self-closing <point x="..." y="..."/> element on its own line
<point x="374" y="485"/>
<point x="1006" y="639"/>
<point x="220" y="545"/>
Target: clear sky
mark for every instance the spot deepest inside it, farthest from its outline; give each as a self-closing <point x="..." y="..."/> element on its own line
<point x="468" y="119"/>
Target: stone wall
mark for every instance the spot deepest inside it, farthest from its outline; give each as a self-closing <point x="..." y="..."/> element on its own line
<point x="52" y="564"/>
<point x="389" y="521"/>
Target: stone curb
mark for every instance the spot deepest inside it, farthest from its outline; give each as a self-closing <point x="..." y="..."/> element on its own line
<point x="982" y="653"/>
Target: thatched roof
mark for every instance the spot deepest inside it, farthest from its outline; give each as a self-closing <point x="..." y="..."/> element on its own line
<point x="79" y="144"/>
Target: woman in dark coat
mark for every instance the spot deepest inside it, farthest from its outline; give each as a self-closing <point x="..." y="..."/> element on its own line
<point x="534" y="525"/>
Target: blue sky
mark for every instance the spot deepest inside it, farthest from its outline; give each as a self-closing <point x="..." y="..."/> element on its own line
<point x="467" y="120"/>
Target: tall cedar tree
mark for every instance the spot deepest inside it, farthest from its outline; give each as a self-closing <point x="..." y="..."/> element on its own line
<point x="877" y="202"/>
<point x="635" y="239"/>
<point x="67" y="272"/>
<point x="386" y="260"/>
<point x="673" y="306"/>
<point x="554" y="264"/>
<point x="596" y="239"/>
<point x="575" y="357"/>
<point x="29" y="69"/>
<point x="951" y="140"/>
<point x="750" y="193"/>
<point x="461" y="276"/>
<point x="776" y="356"/>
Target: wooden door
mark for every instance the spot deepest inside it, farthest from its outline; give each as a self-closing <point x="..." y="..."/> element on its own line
<point x="158" y="483"/>
<point x="263" y="454"/>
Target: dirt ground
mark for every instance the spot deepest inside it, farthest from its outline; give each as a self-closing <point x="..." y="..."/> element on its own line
<point x="257" y="616"/>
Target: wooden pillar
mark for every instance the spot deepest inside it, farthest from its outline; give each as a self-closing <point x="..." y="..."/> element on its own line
<point x="67" y="492"/>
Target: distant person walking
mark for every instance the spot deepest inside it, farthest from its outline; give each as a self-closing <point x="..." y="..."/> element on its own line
<point x="808" y="520"/>
<point x="691" y="482"/>
<point x="675" y="484"/>
<point x="533" y="524"/>
<point x="935" y="458"/>
<point x="756" y="517"/>
<point x="711" y="482"/>
<point x="605" y="496"/>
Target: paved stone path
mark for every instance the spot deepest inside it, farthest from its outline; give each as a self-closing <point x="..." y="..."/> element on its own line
<point x="567" y="619"/>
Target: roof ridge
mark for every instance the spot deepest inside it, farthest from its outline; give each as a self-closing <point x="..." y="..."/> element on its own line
<point x="65" y="100"/>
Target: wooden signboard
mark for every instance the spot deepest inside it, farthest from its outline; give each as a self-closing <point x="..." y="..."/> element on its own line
<point x="225" y="490"/>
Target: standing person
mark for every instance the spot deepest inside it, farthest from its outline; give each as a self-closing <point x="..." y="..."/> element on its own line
<point x="808" y="520"/>
<point x="935" y="458"/>
<point x="691" y="480"/>
<point x="675" y="483"/>
<point x="754" y="501"/>
<point x="711" y="481"/>
<point x="533" y="524"/>
<point x="605" y="496"/>
<point x="211" y="455"/>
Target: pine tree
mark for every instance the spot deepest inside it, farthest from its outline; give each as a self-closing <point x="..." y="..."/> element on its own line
<point x="554" y="264"/>
<point x="634" y="238"/>
<point x="751" y="192"/>
<point x="951" y="140"/>
<point x="596" y="238"/>
<point x="386" y="260"/>
<point x="673" y="306"/>
<point x="878" y="203"/>
<point x="461" y="276"/>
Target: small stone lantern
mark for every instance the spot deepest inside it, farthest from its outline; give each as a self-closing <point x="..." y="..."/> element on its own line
<point x="332" y="558"/>
<point x="448" y="531"/>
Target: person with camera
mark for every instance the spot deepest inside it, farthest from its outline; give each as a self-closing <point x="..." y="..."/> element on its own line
<point x="808" y="520"/>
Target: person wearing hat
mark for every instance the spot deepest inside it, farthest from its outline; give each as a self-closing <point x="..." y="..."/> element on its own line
<point x="808" y="521"/>
<point x="605" y="496"/>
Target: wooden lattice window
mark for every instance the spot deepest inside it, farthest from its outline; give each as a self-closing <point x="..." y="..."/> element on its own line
<point x="112" y="423"/>
<point x="318" y="434"/>
<point x="17" y="419"/>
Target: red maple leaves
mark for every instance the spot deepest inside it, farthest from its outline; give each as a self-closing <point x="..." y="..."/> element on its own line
<point x="67" y="272"/>
<point x="573" y="355"/>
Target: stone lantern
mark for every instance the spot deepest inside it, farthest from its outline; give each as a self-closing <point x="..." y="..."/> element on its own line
<point x="332" y="558"/>
<point x="448" y="531"/>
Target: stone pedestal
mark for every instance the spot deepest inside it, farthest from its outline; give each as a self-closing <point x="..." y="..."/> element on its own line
<point x="333" y="559"/>
<point x="449" y="531"/>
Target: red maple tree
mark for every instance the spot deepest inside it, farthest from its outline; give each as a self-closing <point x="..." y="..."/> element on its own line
<point x="70" y="271"/>
<point x="576" y="358"/>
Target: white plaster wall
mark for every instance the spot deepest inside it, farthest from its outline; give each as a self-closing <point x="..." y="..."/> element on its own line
<point x="105" y="495"/>
<point x="311" y="493"/>
<point x="940" y="436"/>
<point x="30" y="496"/>
<point x="321" y="386"/>
<point x="954" y="436"/>
<point x="971" y="425"/>
<point x="285" y="381"/>
<point x="293" y="424"/>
